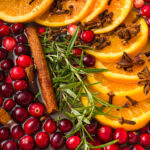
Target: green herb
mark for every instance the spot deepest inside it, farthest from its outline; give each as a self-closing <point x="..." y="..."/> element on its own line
<point x="69" y="86"/>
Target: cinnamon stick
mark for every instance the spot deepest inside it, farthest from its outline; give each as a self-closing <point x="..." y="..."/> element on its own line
<point x="42" y="69"/>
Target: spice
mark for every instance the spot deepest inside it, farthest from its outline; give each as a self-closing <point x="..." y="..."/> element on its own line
<point x="123" y="121"/>
<point x="42" y="69"/>
<point x="133" y="102"/>
<point x="138" y="16"/>
<point x="31" y="1"/>
<point x="109" y="2"/>
<point x="144" y="77"/>
<point x="111" y="95"/>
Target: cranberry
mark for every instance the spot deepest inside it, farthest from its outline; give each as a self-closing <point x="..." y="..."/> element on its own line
<point x="21" y="39"/>
<point x="144" y="129"/>
<point x="112" y="147"/>
<point x="96" y="142"/>
<point x="20" y="85"/>
<point x="8" y="79"/>
<point x="105" y="133"/>
<point x="72" y="29"/>
<point x="50" y="126"/>
<point x="4" y="133"/>
<point x="17" y="73"/>
<point x="1" y="75"/>
<point x="20" y="114"/>
<point x="21" y="49"/>
<point x="17" y="28"/>
<point x="36" y="109"/>
<point x="3" y="53"/>
<point x="92" y="127"/>
<point x="24" y="98"/>
<point x="6" y="90"/>
<point x="73" y="142"/>
<point x="4" y="30"/>
<point x="125" y="148"/>
<point x="87" y="36"/>
<point x="147" y="0"/>
<point x="41" y="30"/>
<point x="1" y="101"/>
<point x="1" y="22"/>
<point x="9" y="43"/>
<point x="9" y="104"/>
<point x="145" y="139"/>
<point x="149" y="33"/>
<point x="148" y="21"/>
<point x="17" y="132"/>
<point x="145" y="10"/>
<point x="7" y="64"/>
<point x="31" y="126"/>
<point x="24" y="61"/>
<point x="89" y="60"/>
<point x="77" y="51"/>
<point x="57" y="140"/>
<point x="10" y="145"/>
<point x="65" y="125"/>
<point x="138" y="4"/>
<point x="26" y="143"/>
<point x="42" y="140"/>
<point x="133" y="137"/>
<point x="137" y="147"/>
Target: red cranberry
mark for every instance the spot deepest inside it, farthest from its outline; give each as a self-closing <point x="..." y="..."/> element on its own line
<point x="17" y="132"/>
<point x="147" y="1"/>
<point x="1" y="22"/>
<point x="21" y="49"/>
<point x="9" y="43"/>
<point x="1" y="101"/>
<point x="6" y="90"/>
<point x="121" y="135"/>
<point x="17" y="28"/>
<point x="89" y="60"/>
<point x="72" y="29"/>
<point x="8" y="79"/>
<point x="4" y="133"/>
<point x="24" y="61"/>
<point x="96" y="142"/>
<point x="50" y="126"/>
<point x="73" y="142"/>
<point x="4" y="30"/>
<point x="17" y="73"/>
<point x="1" y="75"/>
<point x="21" y="39"/>
<point x="125" y="148"/>
<point x="41" y="30"/>
<point x="65" y="125"/>
<point x="31" y="126"/>
<point x="9" y="104"/>
<point x="112" y="147"/>
<point x="36" y="109"/>
<point x="26" y="143"/>
<point x="149" y="33"/>
<point x="144" y="129"/>
<point x="87" y="36"/>
<point x="57" y="140"/>
<point x="7" y="64"/>
<point x="77" y="51"/>
<point x="20" y="85"/>
<point x="10" y="145"/>
<point x="145" y="139"/>
<point x="148" y="21"/>
<point x="3" y="53"/>
<point x="145" y="10"/>
<point x="133" y="137"/>
<point x="24" y="98"/>
<point x="42" y="140"/>
<point x="138" y="4"/>
<point x="20" y="114"/>
<point x="137" y="147"/>
<point x="105" y="133"/>
<point x="92" y="127"/>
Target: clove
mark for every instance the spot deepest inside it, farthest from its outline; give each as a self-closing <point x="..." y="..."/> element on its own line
<point x="111" y="96"/>
<point x="123" y="121"/>
<point x="133" y="102"/>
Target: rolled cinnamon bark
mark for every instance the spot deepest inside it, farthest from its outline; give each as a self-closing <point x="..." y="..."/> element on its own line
<point x="42" y="69"/>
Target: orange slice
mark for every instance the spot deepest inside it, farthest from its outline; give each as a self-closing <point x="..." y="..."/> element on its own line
<point x="80" y="9"/>
<point x="22" y="10"/>
<point x="96" y="8"/>
<point x="114" y="52"/>
<point x="140" y="114"/>
<point x="119" y="75"/>
<point x="120" y="9"/>
<point x="120" y="90"/>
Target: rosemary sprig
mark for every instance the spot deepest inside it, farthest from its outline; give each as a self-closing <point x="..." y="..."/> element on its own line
<point x="69" y="86"/>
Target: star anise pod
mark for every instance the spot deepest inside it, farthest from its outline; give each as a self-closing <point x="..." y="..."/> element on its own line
<point x="144" y="77"/>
